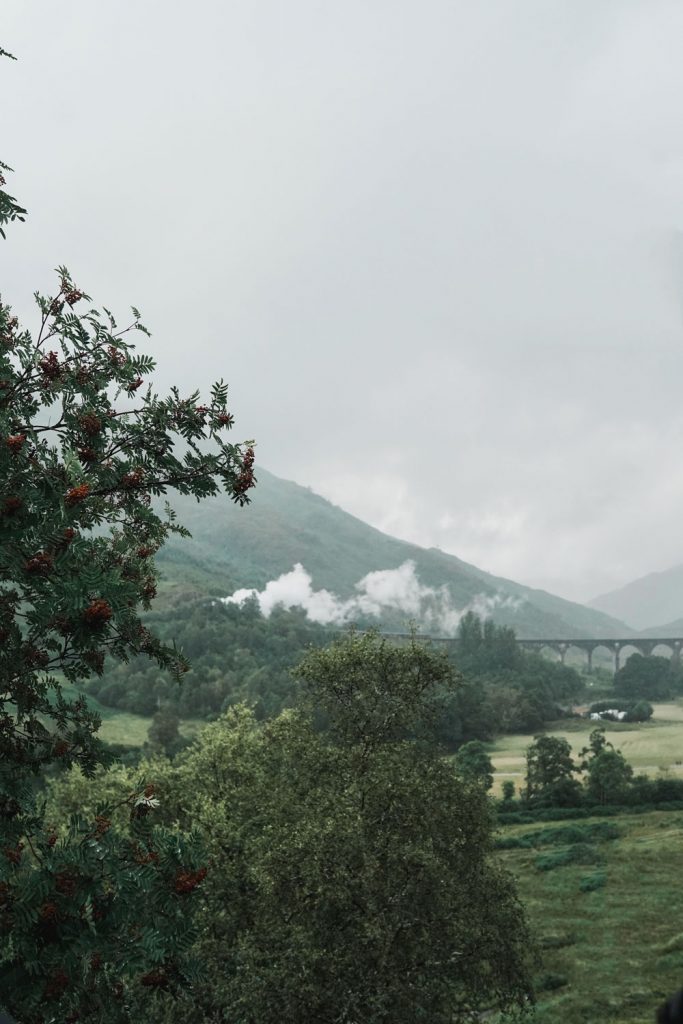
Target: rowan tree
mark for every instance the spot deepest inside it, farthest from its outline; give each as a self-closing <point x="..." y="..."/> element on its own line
<point x="90" y="915"/>
<point x="85" y="447"/>
<point x="9" y="207"/>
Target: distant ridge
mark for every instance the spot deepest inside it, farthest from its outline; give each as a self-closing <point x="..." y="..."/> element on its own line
<point x="646" y="602"/>
<point x="286" y="523"/>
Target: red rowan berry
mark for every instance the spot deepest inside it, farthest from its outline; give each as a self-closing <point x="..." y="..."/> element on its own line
<point x="186" y="881"/>
<point x="40" y="564"/>
<point x="11" y="505"/>
<point x="13" y="854"/>
<point x="65" y="883"/>
<point x="246" y="478"/>
<point x="50" y="366"/>
<point x="49" y="911"/>
<point x="90" y="423"/>
<point x="56" y="985"/>
<point x="77" y="494"/>
<point x="15" y="442"/>
<point x="153" y="979"/>
<point x="98" y="612"/>
<point x="34" y="656"/>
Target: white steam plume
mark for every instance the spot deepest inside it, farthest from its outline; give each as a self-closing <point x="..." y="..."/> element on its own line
<point x="386" y="589"/>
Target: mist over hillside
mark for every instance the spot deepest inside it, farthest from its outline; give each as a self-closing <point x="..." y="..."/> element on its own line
<point x="293" y="546"/>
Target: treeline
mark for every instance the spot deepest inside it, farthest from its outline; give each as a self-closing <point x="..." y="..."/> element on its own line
<point x="238" y="655"/>
<point x="518" y="691"/>
<point x="649" y="676"/>
<point x="601" y="777"/>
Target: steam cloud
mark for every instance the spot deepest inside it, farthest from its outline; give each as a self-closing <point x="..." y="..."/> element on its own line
<point x="386" y="589"/>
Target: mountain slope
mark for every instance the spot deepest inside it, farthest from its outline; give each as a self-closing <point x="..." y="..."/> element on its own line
<point x="233" y="547"/>
<point x="648" y="601"/>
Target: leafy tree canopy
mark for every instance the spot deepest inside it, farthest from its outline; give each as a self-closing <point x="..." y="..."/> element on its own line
<point x="550" y="771"/>
<point x="90" y="914"/>
<point x="473" y="763"/>
<point x="352" y="876"/>
<point x="649" y="676"/>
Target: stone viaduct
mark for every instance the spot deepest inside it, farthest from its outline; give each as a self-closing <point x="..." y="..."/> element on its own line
<point x="560" y="646"/>
<point x="644" y="645"/>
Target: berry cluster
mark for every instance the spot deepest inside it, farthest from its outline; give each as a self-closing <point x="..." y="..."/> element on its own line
<point x="15" y="442"/>
<point x="246" y="479"/>
<point x="186" y="881"/>
<point x="77" y="494"/>
<point x="50" y="366"/>
<point x="40" y="564"/>
<point x="98" y="612"/>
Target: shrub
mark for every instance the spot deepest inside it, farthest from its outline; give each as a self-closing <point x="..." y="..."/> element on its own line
<point x="591" y="882"/>
<point x="578" y="853"/>
<point x="551" y="981"/>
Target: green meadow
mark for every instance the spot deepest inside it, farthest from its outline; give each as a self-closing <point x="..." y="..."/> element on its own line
<point x="124" y="727"/>
<point x="649" y="747"/>
<point x="609" y="922"/>
<point x="607" y="913"/>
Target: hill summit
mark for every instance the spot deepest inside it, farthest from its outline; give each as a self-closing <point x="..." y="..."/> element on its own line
<point x="646" y="602"/>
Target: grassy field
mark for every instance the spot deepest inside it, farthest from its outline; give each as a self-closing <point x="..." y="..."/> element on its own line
<point x="649" y="747"/>
<point x="616" y="952"/>
<point x="123" y="727"/>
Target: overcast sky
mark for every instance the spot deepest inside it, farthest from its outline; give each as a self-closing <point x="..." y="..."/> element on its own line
<point x="435" y="246"/>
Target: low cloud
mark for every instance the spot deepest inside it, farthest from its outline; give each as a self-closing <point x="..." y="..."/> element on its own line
<point x="377" y="593"/>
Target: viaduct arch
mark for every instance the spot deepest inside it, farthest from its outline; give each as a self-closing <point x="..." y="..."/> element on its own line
<point x="613" y="645"/>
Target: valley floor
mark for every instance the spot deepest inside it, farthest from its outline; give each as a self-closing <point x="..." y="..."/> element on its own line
<point x="649" y="747"/>
<point x="614" y="953"/>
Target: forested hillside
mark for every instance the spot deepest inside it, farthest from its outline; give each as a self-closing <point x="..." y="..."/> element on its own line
<point x="237" y="654"/>
<point x="288" y="524"/>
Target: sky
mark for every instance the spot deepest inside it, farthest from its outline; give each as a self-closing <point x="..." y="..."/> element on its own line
<point x="434" y="246"/>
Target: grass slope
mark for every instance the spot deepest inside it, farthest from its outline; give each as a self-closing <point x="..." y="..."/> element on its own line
<point x="614" y="953"/>
<point x="123" y="727"/>
<point x="233" y="547"/>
